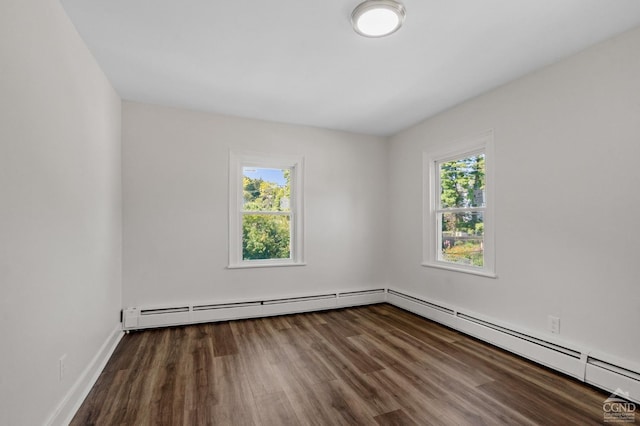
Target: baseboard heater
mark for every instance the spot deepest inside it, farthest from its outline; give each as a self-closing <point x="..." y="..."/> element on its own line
<point x="135" y="318"/>
<point x="563" y="358"/>
<point x="623" y="381"/>
<point x="432" y="310"/>
<point x="573" y="361"/>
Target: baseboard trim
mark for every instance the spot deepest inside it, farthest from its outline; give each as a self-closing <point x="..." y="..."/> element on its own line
<point x="67" y="408"/>
<point x="142" y="317"/>
<point x="433" y="310"/>
<point x="602" y="371"/>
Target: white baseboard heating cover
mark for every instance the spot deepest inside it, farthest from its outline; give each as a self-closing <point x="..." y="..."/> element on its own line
<point x="596" y="369"/>
<point x="161" y="316"/>
<point x="600" y="371"/>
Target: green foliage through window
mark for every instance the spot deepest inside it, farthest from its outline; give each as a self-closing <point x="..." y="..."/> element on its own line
<point x="266" y="218"/>
<point x="265" y="237"/>
<point x="462" y="202"/>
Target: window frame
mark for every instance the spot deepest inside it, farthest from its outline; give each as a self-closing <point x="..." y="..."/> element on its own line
<point x="482" y="143"/>
<point x="239" y="160"/>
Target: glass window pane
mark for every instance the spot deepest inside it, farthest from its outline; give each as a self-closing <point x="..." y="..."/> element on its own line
<point x="462" y="238"/>
<point x="462" y="182"/>
<point x="266" y="236"/>
<point x="266" y="189"/>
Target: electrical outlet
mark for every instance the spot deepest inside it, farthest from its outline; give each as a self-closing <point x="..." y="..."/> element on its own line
<point x="61" y="367"/>
<point x="553" y="324"/>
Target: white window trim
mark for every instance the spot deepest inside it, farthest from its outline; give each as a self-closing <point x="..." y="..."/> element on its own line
<point x="482" y="142"/>
<point x="238" y="160"/>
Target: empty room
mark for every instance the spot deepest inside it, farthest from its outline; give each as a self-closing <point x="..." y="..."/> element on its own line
<point x="391" y="212"/>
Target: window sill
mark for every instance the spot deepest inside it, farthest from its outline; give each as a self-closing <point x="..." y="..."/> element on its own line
<point x="264" y="265"/>
<point x="481" y="273"/>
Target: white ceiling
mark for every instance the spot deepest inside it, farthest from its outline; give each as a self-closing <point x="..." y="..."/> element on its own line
<point x="299" y="61"/>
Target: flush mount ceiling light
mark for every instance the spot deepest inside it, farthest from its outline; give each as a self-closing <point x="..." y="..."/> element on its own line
<point x="377" y="18"/>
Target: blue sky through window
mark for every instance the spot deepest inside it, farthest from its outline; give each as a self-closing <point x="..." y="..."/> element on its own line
<point x="268" y="175"/>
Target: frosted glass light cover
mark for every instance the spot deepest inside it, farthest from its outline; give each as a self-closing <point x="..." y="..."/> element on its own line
<point x="377" y="18"/>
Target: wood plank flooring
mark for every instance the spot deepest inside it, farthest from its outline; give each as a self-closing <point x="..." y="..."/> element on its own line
<point x="359" y="366"/>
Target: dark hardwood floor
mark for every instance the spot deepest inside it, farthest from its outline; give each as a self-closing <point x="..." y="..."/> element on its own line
<point x="367" y="365"/>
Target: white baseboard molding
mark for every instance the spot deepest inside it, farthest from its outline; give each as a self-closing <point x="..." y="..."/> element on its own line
<point x="135" y="318"/>
<point x="67" y="408"/>
<point x="601" y="370"/>
<point x="614" y="376"/>
<point x="549" y="354"/>
<point x="435" y="311"/>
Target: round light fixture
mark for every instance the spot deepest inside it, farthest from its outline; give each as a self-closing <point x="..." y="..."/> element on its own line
<point x="377" y="18"/>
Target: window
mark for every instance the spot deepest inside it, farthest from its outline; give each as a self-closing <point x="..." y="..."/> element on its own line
<point x="265" y="210"/>
<point x="458" y="218"/>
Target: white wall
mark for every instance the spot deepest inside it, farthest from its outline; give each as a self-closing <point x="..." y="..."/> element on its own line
<point x="567" y="144"/>
<point x="175" y="179"/>
<point x="60" y="209"/>
<point x="567" y="140"/>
